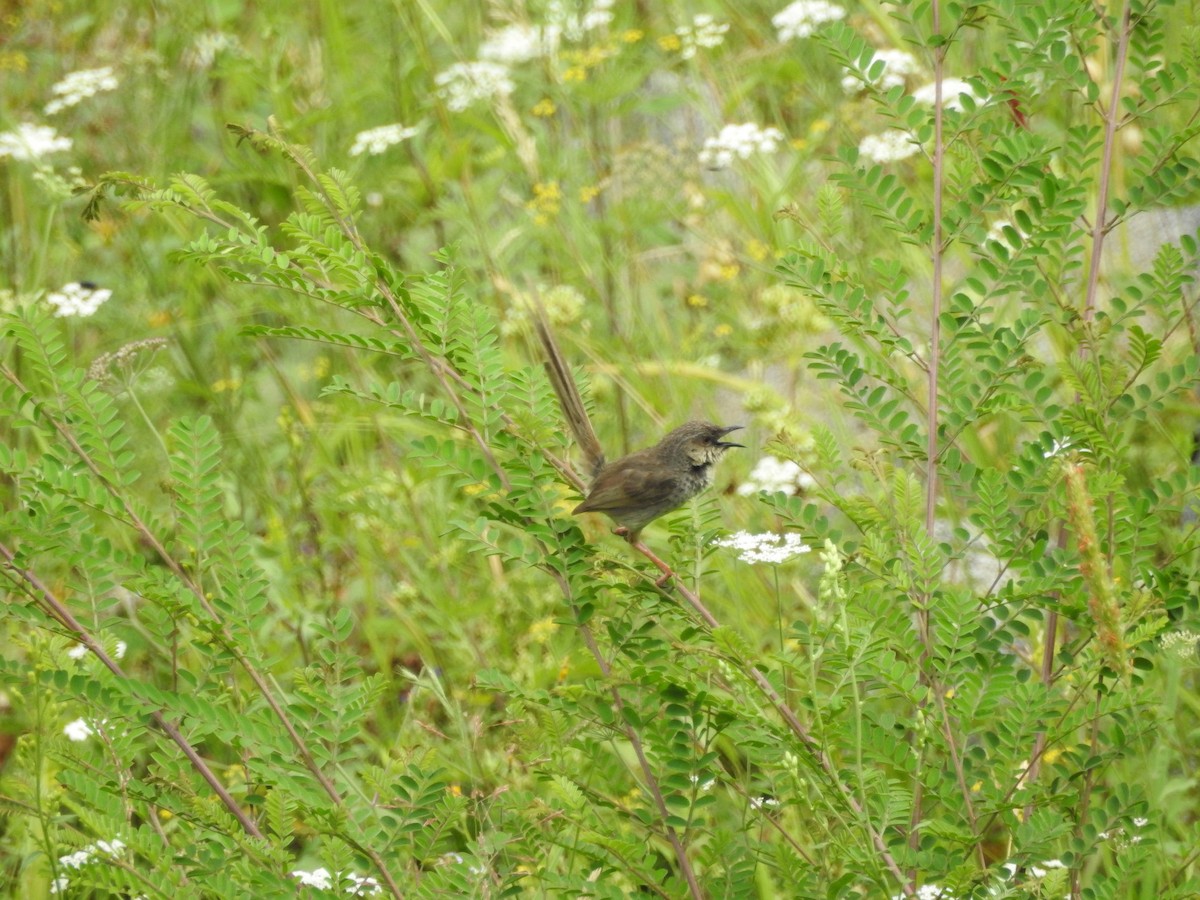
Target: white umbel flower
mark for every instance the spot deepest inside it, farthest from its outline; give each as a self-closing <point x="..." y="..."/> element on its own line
<point x="738" y="142"/>
<point x="31" y="142"/>
<point x="77" y="299"/>
<point x="465" y="84"/>
<point x="374" y="141"/>
<point x="890" y="146"/>
<point x="764" y="548"/>
<point x="802" y="18"/>
<point x="515" y="44"/>
<point x="897" y="66"/>
<point x="704" y="32"/>
<point x="78" y="86"/>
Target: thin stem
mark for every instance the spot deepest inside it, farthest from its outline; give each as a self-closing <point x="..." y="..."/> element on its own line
<point x="786" y="714"/>
<point x="1111" y="123"/>
<point x="635" y="741"/>
<point x="58" y="610"/>
<point x="227" y="639"/>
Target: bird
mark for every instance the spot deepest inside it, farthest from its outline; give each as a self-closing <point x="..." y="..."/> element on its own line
<point x="636" y="489"/>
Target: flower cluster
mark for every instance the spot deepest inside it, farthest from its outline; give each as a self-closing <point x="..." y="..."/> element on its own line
<point x="207" y="46"/>
<point x="375" y="140"/>
<point x="801" y="19"/>
<point x="952" y="89"/>
<point x="82" y="857"/>
<point x="1182" y="644"/>
<point x="516" y="44"/>
<point x="78" y="86"/>
<point x="82" y="729"/>
<point x="897" y="66"/>
<point x="764" y="548"/>
<point x="573" y="25"/>
<point x="704" y="32"/>
<point x="79" y="298"/>
<point x="31" y="142"/>
<point x="892" y="145"/>
<point x="772" y="475"/>
<point x="465" y="84"/>
<point x="323" y="880"/>
<point x="738" y="142"/>
<point x="106" y="364"/>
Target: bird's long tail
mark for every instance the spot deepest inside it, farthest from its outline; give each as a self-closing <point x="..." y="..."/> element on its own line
<point x="563" y="382"/>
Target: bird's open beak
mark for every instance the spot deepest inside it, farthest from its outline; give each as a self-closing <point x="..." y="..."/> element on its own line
<point x="725" y="431"/>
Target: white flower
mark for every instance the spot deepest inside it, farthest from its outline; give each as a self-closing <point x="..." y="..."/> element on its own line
<point x="207" y="46"/>
<point x="704" y="786"/>
<point x="59" y="884"/>
<point x="464" y="84"/>
<point x="951" y="89"/>
<point x="79" y="730"/>
<point x="1038" y="872"/>
<point x="768" y="547"/>
<point x="30" y="142"/>
<point x="800" y="19"/>
<point x="76" y="860"/>
<point x="119" y="649"/>
<point x="516" y="44"/>
<point x="772" y="475"/>
<point x="897" y="66"/>
<point x="84" y="855"/>
<point x="704" y="31"/>
<point x="572" y="25"/>
<point x="760" y="802"/>
<point x="738" y="142"/>
<point x="112" y="848"/>
<point x="318" y="878"/>
<point x="892" y="145"/>
<point x="77" y="299"/>
<point x="375" y="140"/>
<point x="78" y="86"/>
<point x="362" y="886"/>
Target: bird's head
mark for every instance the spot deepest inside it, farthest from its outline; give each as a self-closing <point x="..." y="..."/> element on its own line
<point x="699" y="442"/>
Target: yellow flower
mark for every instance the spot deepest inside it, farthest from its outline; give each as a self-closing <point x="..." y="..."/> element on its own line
<point x="697" y="301"/>
<point x="544" y="108"/>
<point x="729" y="271"/>
<point x="575" y="73"/>
<point x="541" y="630"/>
<point x="546" y="202"/>
<point x="13" y="61"/>
<point x="818" y="127"/>
<point x="723" y="330"/>
<point x="977" y="787"/>
<point x="226" y="384"/>
<point x="669" y="42"/>
<point x="455" y="790"/>
<point x="757" y="250"/>
<point x="589" y="193"/>
<point x="159" y="319"/>
<point x="632" y="35"/>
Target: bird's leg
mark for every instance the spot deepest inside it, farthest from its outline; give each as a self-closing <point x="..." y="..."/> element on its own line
<point x="667" y="572"/>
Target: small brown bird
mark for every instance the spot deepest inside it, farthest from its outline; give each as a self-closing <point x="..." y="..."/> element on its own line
<point x="636" y="489"/>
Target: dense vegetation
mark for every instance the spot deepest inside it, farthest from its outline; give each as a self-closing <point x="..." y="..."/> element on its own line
<point x="294" y="601"/>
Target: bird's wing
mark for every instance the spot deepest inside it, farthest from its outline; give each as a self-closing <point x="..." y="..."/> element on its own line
<point x="629" y="483"/>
